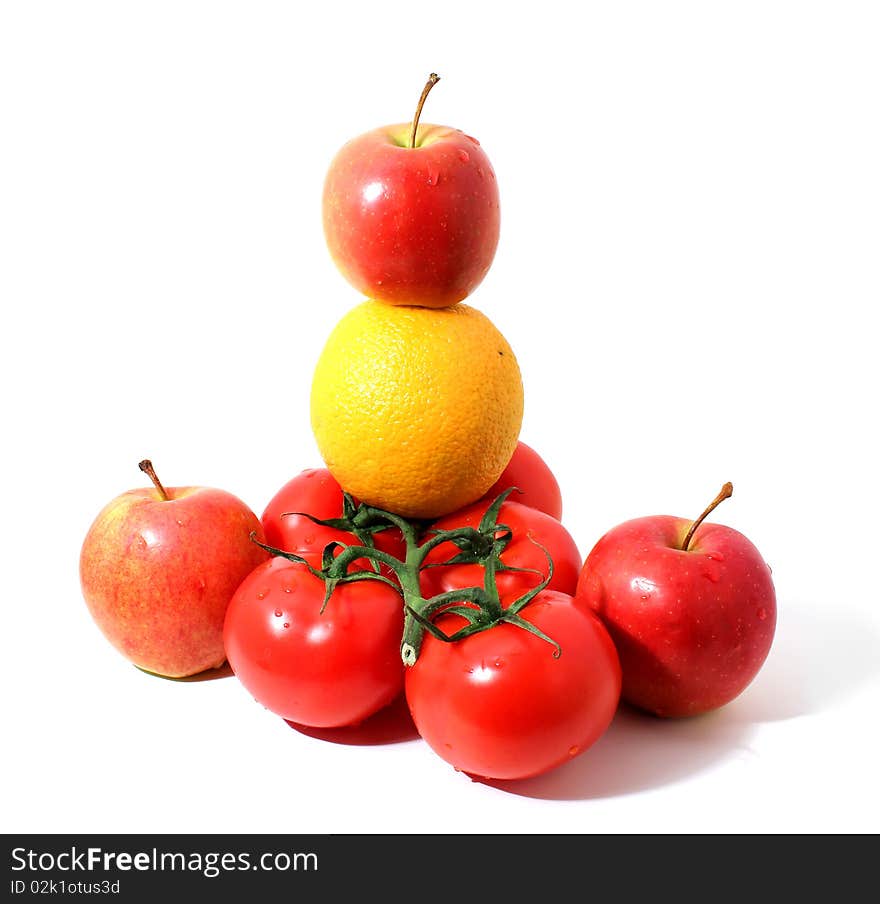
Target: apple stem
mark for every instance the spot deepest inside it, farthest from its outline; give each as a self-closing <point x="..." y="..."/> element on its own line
<point x="147" y="467"/>
<point x="726" y="493"/>
<point x="433" y="78"/>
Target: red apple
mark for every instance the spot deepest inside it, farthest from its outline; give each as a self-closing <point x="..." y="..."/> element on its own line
<point x="691" y="608"/>
<point x="411" y="213"/>
<point x="158" y="567"/>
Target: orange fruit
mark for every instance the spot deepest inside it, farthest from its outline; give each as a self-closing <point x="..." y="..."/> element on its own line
<point x="416" y="410"/>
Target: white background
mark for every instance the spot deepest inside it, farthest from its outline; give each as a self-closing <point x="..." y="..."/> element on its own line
<point x="687" y="272"/>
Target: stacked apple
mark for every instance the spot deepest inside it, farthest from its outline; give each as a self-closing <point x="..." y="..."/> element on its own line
<point x="416" y="228"/>
<point x="512" y="651"/>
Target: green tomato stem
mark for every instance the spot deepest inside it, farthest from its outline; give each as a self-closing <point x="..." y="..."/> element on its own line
<point x="480" y="607"/>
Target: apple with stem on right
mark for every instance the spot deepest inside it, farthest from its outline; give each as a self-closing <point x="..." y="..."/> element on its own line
<point x="411" y="213"/>
<point x="691" y="607"/>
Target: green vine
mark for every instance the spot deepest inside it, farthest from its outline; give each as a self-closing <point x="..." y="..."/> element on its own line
<point x="480" y="607"/>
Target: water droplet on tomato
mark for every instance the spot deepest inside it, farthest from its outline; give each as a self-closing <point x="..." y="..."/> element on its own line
<point x="262" y="594"/>
<point x="762" y="613"/>
<point x="309" y="539"/>
<point x="278" y="613"/>
<point x="286" y="625"/>
<point x="574" y="751"/>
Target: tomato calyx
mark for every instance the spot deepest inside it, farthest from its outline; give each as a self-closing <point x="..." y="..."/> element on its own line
<point x="488" y="541"/>
<point x="480" y="607"/>
<point x="330" y="572"/>
<point x="360" y="520"/>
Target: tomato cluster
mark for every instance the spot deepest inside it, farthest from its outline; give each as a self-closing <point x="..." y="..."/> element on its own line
<point x="472" y="617"/>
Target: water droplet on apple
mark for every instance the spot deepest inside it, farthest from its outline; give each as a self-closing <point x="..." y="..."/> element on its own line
<point x="474" y="140"/>
<point x="712" y="576"/>
<point x="480" y="172"/>
<point x="715" y="556"/>
<point x="644" y="596"/>
<point x="574" y="751"/>
<point x="498" y="663"/>
<point x="433" y="175"/>
<point x="278" y="613"/>
<point x="262" y="594"/>
<point x="762" y="613"/>
<point x="463" y="155"/>
<point x="286" y="624"/>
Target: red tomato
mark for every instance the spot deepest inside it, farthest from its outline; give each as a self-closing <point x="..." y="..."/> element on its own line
<point x="321" y="669"/>
<point x="315" y="492"/>
<point x="530" y="527"/>
<point x="498" y="704"/>
<point x="536" y="483"/>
